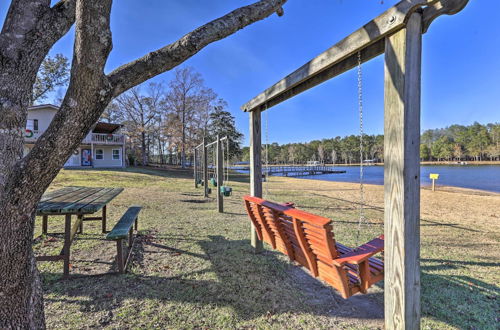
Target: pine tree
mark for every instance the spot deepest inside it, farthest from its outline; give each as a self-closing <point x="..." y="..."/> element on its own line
<point x="222" y="122"/>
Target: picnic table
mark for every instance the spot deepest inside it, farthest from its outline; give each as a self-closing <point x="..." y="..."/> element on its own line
<point x="73" y="201"/>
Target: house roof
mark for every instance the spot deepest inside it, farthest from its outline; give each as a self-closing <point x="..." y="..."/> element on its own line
<point x="43" y="106"/>
<point x="100" y="127"/>
<point x="105" y="128"/>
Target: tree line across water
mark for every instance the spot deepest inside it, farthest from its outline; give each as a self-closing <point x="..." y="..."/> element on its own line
<point x="457" y="142"/>
<point x="165" y="121"/>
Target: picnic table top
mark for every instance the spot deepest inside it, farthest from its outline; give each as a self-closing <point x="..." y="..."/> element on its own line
<point x="76" y="200"/>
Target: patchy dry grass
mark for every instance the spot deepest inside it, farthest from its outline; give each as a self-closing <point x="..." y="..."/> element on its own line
<point x="194" y="268"/>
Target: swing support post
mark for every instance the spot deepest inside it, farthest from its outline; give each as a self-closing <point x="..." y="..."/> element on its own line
<point x="255" y="168"/>
<point x="205" y="168"/>
<point x="398" y="33"/>
<point x="403" y="52"/>
<point x="220" y="174"/>
<point x="195" y="168"/>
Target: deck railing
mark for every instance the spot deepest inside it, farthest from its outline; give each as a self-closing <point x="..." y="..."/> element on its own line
<point x="99" y="138"/>
<point x="96" y="138"/>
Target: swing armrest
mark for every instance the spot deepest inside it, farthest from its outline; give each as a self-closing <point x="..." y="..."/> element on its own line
<point x="289" y="204"/>
<point x="362" y="253"/>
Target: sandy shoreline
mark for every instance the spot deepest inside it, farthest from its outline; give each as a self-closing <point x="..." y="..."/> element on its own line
<point x="474" y="207"/>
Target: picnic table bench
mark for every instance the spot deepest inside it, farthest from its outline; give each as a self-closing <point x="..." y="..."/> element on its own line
<point x="124" y="230"/>
<point x="69" y="201"/>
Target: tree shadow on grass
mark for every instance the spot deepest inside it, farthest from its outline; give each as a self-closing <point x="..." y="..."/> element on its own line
<point x="224" y="273"/>
<point x="174" y="172"/>
<point x="228" y="273"/>
<point x="459" y="300"/>
<point x="431" y="223"/>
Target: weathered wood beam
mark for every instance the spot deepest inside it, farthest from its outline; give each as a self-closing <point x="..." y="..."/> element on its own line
<point x="205" y="168"/>
<point x="343" y="56"/>
<point x="255" y="168"/>
<point x="443" y="7"/>
<point x="352" y="61"/>
<point x="195" y="168"/>
<point x="220" y="176"/>
<point x="402" y="176"/>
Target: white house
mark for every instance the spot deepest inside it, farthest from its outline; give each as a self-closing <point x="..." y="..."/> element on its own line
<point x="104" y="146"/>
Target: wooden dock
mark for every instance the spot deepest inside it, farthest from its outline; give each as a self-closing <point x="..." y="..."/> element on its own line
<point x="300" y="170"/>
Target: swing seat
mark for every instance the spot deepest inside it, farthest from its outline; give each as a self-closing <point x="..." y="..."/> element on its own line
<point x="308" y="240"/>
<point x="213" y="182"/>
<point x="226" y="191"/>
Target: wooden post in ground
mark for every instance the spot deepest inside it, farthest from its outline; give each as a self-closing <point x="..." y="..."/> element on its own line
<point x="255" y="167"/>
<point x="402" y="176"/>
<point x="220" y="174"/>
<point x="45" y="224"/>
<point x="67" y="244"/>
<point x="195" y="168"/>
<point x="205" y="168"/>
<point x="104" y="219"/>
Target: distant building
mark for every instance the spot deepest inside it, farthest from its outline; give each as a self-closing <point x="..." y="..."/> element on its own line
<point x="103" y="146"/>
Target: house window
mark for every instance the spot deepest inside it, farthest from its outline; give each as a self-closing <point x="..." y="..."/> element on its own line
<point x="116" y="154"/>
<point x="35" y="124"/>
<point x="99" y="154"/>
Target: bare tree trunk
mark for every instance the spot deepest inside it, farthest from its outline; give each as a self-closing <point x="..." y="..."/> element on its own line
<point x="23" y="46"/>
<point x="143" y="149"/>
<point x="183" y="146"/>
<point x="160" y="150"/>
<point x="30" y="29"/>
<point x="21" y="300"/>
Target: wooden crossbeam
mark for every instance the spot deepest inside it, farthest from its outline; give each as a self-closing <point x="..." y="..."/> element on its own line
<point x="369" y="40"/>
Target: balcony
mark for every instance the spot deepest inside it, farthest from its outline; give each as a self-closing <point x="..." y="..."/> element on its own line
<point x="99" y="138"/>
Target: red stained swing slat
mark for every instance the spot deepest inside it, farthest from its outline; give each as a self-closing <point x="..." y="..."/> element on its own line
<point x="308" y="239"/>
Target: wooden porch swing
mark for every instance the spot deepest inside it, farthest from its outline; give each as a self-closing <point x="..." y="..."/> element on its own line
<point x="309" y="240"/>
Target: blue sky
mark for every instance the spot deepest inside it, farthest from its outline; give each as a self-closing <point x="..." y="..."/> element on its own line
<point x="460" y="69"/>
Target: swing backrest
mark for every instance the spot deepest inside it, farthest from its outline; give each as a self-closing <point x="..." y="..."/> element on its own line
<point x="302" y="236"/>
<point x="308" y="239"/>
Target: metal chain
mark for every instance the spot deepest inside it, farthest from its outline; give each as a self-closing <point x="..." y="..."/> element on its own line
<point x="361" y="133"/>
<point x="227" y="161"/>
<point x="223" y="151"/>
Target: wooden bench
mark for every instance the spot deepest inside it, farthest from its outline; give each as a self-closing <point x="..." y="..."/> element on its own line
<point x="124" y="230"/>
<point x="308" y="239"/>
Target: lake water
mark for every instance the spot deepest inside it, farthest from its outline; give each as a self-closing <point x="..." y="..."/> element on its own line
<point x="482" y="177"/>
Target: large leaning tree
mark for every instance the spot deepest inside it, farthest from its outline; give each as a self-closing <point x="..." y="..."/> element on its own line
<point x="30" y="29"/>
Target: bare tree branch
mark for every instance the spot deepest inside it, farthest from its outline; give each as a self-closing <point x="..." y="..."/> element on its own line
<point x="170" y="56"/>
<point x="81" y="107"/>
<point x="59" y="20"/>
<point x="39" y="26"/>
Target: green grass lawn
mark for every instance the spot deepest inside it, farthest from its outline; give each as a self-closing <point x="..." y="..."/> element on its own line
<point x="194" y="268"/>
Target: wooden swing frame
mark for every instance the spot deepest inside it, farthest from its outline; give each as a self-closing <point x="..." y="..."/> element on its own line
<point x="397" y="33"/>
